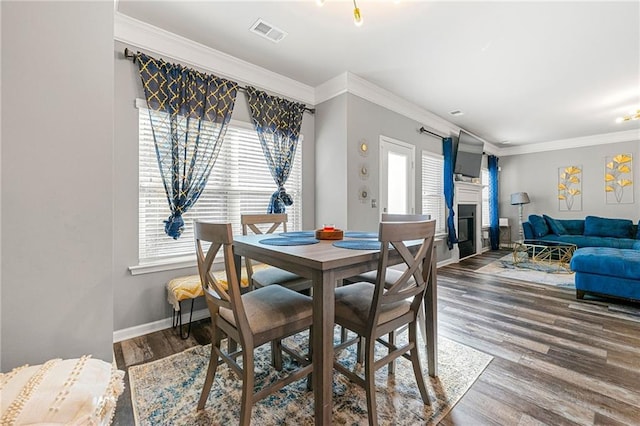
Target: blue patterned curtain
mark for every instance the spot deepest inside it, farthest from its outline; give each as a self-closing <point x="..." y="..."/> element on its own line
<point x="449" y="163"/>
<point x="277" y="122"/>
<point x="494" y="221"/>
<point x="189" y="113"/>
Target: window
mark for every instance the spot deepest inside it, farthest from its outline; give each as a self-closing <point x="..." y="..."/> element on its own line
<point x="240" y="182"/>
<point x="485" y="197"/>
<point x="432" y="189"/>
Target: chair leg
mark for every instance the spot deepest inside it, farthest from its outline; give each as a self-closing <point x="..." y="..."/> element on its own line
<point x="415" y="361"/>
<point x="276" y="354"/>
<point x="211" y="370"/>
<point x="422" y="322"/>
<point x="370" y="382"/>
<point x="359" y="349"/>
<point x="391" y="369"/>
<point x="248" y="378"/>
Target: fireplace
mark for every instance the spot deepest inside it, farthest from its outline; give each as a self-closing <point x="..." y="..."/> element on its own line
<point x="466" y="229"/>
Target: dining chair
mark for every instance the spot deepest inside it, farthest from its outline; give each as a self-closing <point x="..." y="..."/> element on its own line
<point x="271" y="275"/>
<point x="251" y="319"/>
<point x="375" y="311"/>
<point x="392" y="275"/>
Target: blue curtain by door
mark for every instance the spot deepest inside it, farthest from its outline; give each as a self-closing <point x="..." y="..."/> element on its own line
<point x="189" y="113"/>
<point x="277" y="122"/>
<point x="449" y="163"/>
<point x="494" y="221"/>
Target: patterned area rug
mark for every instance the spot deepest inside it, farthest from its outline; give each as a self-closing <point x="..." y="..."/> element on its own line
<point x="165" y="392"/>
<point x="529" y="271"/>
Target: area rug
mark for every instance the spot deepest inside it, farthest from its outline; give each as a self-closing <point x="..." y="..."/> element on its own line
<point x="529" y="271"/>
<point x="166" y="391"/>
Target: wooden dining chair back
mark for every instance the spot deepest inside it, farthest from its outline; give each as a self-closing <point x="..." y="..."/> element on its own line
<point x="251" y="319"/>
<point x="374" y="311"/>
<point x="393" y="273"/>
<point x="272" y="275"/>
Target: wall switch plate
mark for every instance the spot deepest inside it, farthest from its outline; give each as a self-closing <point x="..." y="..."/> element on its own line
<point x="374" y="203"/>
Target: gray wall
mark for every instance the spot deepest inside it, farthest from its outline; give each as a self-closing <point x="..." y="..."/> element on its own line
<point x="537" y="174"/>
<point x="339" y="159"/>
<point x="142" y="299"/>
<point x="57" y="169"/>
<point x="332" y="162"/>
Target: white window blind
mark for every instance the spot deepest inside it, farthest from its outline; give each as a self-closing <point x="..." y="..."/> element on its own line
<point x="485" y="197"/>
<point x="240" y="182"/>
<point x="433" y="190"/>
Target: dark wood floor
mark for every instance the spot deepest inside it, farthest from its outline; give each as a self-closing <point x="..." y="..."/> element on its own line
<point x="557" y="361"/>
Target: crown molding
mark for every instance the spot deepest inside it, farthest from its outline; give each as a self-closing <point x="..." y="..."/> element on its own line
<point x="584" y="141"/>
<point x="351" y="83"/>
<point x="145" y="36"/>
<point x="331" y="88"/>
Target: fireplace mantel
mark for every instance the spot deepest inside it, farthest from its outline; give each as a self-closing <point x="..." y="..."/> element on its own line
<point x="469" y="193"/>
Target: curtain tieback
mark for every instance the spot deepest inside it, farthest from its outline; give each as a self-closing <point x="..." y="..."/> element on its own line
<point x="174" y="225"/>
<point x="279" y="200"/>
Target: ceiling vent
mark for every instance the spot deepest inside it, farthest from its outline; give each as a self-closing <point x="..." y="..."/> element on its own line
<point x="456" y="113"/>
<point x="268" y="31"/>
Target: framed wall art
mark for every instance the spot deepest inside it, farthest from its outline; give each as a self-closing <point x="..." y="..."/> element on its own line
<point x="618" y="179"/>
<point x="570" y="188"/>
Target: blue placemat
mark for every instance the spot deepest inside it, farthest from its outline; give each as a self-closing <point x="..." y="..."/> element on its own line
<point x="288" y="241"/>
<point x="358" y="244"/>
<point x="361" y="234"/>
<point x="299" y="234"/>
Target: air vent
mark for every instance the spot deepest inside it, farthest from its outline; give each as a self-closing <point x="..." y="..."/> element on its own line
<point x="268" y="31"/>
<point x="456" y="112"/>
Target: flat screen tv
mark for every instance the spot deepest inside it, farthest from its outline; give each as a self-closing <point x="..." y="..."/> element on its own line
<point x="469" y="155"/>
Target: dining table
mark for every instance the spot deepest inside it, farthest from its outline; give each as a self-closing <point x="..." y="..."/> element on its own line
<point x="326" y="265"/>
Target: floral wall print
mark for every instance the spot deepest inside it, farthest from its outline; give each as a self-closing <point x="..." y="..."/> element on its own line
<point x="618" y="179"/>
<point x="570" y="188"/>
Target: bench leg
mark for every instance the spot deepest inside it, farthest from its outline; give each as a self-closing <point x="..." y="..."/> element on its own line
<point x="176" y="320"/>
<point x="579" y="294"/>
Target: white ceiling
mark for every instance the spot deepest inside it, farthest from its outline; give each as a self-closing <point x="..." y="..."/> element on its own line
<point x="522" y="72"/>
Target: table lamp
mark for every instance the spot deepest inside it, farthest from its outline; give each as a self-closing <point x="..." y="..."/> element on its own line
<point x="519" y="199"/>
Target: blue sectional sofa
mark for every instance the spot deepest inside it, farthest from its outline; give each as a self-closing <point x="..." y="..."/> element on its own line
<point x="592" y="231"/>
<point x="607" y="261"/>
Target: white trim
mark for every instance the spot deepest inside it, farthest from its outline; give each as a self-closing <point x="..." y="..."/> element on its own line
<point x="152" y="327"/>
<point x="164" y="265"/>
<point x="331" y="88"/>
<point x="148" y="37"/>
<point x="606" y="138"/>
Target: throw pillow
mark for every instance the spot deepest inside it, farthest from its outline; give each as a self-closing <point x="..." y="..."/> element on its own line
<point x="602" y="227"/>
<point x="573" y="226"/>
<point x="555" y="225"/>
<point x="540" y="228"/>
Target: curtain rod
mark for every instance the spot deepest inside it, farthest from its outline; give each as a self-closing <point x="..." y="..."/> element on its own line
<point x="423" y="130"/>
<point x="130" y="55"/>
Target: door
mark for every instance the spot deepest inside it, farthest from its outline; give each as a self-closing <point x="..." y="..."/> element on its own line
<point x="397" y="176"/>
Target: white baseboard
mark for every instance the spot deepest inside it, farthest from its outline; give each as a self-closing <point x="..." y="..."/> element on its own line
<point x="141" y="330"/>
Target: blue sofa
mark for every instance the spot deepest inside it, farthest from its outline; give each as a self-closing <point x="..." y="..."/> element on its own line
<point x="607" y="261"/>
<point x="592" y="231"/>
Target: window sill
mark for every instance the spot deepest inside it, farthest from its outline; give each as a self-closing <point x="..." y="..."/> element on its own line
<point x="164" y="265"/>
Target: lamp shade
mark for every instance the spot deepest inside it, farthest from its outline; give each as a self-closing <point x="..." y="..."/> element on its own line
<point x="520" y="198"/>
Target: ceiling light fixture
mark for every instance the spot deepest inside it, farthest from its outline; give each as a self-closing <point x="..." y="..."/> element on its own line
<point x="357" y="18"/>
<point x="633" y="115"/>
<point x="319" y="2"/>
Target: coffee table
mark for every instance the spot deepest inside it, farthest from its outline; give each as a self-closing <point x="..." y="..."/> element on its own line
<point x="554" y="254"/>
